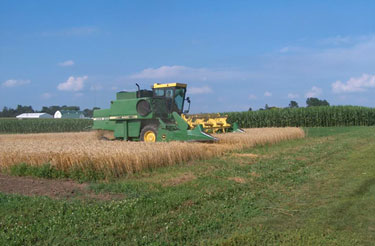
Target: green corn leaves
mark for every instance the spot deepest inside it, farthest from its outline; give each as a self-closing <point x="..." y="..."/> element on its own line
<point x="11" y="125"/>
<point x="306" y="117"/>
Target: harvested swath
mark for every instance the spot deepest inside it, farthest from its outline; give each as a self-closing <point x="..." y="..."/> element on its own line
<point x="114" y="158"/>
<point x="260" y="136"/>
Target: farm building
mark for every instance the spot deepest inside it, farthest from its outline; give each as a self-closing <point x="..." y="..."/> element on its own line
<point x="34" y="116"/>
<point x="68" y="114"/>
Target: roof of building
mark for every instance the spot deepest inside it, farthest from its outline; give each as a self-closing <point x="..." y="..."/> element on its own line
<point x="32" y="115"/>
<point x="69" y="114"/>
<point x="64" y="112"/>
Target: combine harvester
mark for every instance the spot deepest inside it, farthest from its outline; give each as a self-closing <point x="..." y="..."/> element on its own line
<point x="157" y="115"/>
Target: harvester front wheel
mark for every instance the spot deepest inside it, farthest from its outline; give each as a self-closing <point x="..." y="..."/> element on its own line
<point x="149" y="133"/>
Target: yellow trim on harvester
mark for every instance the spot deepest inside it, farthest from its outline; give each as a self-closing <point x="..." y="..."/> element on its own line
<point x="157" y="85"/>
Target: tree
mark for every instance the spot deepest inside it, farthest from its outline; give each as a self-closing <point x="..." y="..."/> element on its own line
<point x="52" y="109"/>
<point x="72" y="108"/>
<point x="293" y="104"/>
<point x="250" y="109"/>
<point x="24" y="109"/>
<point x="10" y="112"/>
<point x="314" y="102"/>
<point x="89" y="112"/>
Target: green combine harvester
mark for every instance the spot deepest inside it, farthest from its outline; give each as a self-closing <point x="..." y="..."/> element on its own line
<point x="150" y="116"/>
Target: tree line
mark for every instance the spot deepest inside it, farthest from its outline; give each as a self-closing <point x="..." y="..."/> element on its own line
<point x="20" y="109"/>
<point x="310" y="102"/>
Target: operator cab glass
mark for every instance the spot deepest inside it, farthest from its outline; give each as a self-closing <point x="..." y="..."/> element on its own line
<point x="179" y="98"/>
<point x="169" y="92"/>
<point x="159" y="92"/>
<point x="174" y="95"/>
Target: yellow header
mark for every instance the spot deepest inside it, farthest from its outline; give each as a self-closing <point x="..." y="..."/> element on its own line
<point x="157" y="85"/>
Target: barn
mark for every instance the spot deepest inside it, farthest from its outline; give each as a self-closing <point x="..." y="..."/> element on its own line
<point x="34" y="116"/>
<point x="68" y="114"/>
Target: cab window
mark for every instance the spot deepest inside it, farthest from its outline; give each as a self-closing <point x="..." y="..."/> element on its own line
<point x="169" y="93"/>
<point x="179" y="98"/>
<point x="159" y="92"/>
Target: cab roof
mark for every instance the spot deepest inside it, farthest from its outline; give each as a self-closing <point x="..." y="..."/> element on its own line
<point x="157" y="85"/>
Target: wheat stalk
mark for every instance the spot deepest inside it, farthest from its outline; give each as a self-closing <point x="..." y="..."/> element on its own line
<point x="84" y="150"/>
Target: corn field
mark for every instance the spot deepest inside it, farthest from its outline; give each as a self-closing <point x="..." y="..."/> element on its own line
<point x="306" y="117"/>
<point x="12" y="125"/>
<point x="66" y="151"/>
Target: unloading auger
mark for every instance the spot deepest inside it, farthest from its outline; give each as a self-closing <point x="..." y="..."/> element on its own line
<point x="156" y="115"/>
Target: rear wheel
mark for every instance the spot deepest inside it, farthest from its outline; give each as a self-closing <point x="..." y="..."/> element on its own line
<point x="149" y="133"/>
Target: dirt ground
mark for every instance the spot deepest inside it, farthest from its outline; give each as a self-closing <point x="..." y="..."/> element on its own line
<point x="56" y="189"/>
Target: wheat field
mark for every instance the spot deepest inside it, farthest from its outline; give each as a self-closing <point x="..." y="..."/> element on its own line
<point x="83" y="150"/>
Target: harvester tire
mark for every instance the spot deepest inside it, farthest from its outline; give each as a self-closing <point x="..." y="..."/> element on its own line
<point x="149" y="133"/>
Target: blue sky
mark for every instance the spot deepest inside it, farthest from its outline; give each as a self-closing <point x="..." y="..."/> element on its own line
<point x="232" y="54"/>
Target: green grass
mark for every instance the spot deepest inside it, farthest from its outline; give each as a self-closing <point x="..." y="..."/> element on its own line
<point x="44" y="171"/>
<point x="48" y="171"/>
<point x="314" y="191"/>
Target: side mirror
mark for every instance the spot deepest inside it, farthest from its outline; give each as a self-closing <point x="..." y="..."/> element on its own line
<point x="188" y="100"/>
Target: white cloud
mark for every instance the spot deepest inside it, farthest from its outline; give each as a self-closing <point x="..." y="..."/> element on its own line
<point x="337" y="40"/>
<point x="188" y="73"/>
<point x="351" y="55"/>
<point x="160" y="73"/>
<point x="200" y="90"/>
<point x="66" y="63"/>
<point x="15" y="82"/>
<point x="354" y="84"/>
<point x="252" y="97"/>
<point x="293" y="96"/>
<point x="267" y="94"/>
<point x="46" y="95"/>
<point x="314" y="92"/>
<point x="72" y="84"/>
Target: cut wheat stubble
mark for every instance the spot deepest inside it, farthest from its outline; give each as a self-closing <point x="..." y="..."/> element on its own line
<point x="83" y="150"/>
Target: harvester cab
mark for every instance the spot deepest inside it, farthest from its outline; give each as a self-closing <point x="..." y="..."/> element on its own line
<point x="174" y="95"/>
<point x="153" y="115"/>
